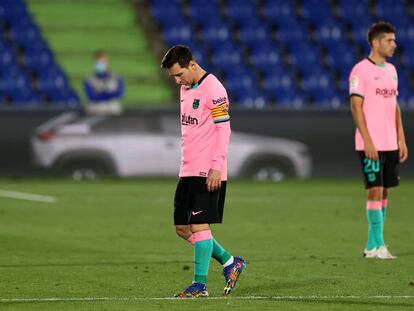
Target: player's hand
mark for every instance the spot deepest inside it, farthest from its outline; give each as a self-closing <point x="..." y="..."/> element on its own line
<point x="370" y="151"/>
<point x="402" y="146"/>
<point x="213" y="180"/>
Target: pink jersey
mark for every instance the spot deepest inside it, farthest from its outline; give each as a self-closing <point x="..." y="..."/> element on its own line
<point x="378" y="86"/>
<point x="205" y="128"/>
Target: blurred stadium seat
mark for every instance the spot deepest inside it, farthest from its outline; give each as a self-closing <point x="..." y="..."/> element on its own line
<point x="291" y="53"/>
<point x="26" y="60"/>
<point x="284" y="51"/>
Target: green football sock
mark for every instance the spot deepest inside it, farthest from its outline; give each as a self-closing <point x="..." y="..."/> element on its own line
<point x="371" y="243"/>
<point x="202" y="255"/>
<point x="384" y="209"/>
<point x="219" y="253"/>
<point x="375" y="231"/>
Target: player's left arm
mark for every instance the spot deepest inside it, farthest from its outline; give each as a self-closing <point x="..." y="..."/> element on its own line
<point x="402" y="146"/>
<point x="221" y="118"/>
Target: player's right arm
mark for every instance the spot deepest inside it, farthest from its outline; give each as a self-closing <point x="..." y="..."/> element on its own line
<point x="359" y="119"/>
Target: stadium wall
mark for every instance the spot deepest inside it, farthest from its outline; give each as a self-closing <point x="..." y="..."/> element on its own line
<point x="328" y="134"/>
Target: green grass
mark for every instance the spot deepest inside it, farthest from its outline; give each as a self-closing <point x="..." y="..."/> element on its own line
<point x="115" y="239"/>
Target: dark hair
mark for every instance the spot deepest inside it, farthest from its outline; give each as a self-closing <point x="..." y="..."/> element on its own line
<point x="99" y="53"/>
<point x="378" y="29"/>
<point x="177" y="54"/>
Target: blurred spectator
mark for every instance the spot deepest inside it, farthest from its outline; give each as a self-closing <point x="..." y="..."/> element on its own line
<point x="103" y="89"/>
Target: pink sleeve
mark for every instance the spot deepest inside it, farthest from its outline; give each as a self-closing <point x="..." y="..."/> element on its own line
<point x="223" y="139"/>
<point x="356" y="82"/>
<point x="219" y="107"/>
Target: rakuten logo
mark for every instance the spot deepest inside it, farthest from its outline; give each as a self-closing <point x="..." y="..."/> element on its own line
<point x="386" y="93"/>
<point x="188" y="120"/>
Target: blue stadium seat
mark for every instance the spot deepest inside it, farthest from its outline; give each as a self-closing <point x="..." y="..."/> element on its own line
<point x="216" y="34"/>
<point x="341" y="56"/>
<point x="408" y="56"/>
<point x="253" y="36"/>
<point x="252" y="99"/>
<point x="240" y="11"/>
<point x="235" y="84"/>
<point x="178" y="34"/>
<point x="16" y="80"/>
<point x="329" y="31"/>
<point x="25" y="97"/>
<point x="63" y="97"/>
<point x="53" y="78"/>
<point x="38" y="59"/>
<point x="353" y="10"/>
<point x="316" y="11"/>
<point x="26" y="34"/>
<point x="390" y="10"/>
<point x="304" y="56"/>
<point x="204" y="10"/>
<point x="227" y="56"/>
<point x="267" y="38"/>
<point x="165" y="12"/>
<point x="7" y="57"/>
<point x="289" y="98"/>
<point x="405" y="33"/>
<point x="27" y="68"/>
<point x="266" y="59"/>
<point x="291" y="31"/>
<point x="278" y="10"/>
<point x="13" y="10"/>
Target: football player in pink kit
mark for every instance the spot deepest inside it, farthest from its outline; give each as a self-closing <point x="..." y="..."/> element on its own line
<point x="201" y="189"/>
<point x="379" y="138"/>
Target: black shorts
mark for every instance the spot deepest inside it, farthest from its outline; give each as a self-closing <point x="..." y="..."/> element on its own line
<point x="193" y="204"/>
<point x="381" y="173"/>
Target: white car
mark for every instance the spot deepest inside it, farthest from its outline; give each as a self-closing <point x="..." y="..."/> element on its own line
<point x="149" y="145"/>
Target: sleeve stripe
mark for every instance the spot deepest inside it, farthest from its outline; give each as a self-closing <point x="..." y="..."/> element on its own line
<point x="218" y="114"/>
<point x="217" y="109"/>
<point x="222" y="120"/>
<point x="356" y="94"/>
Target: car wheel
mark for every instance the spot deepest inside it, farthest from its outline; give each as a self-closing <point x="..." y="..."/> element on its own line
<point x="269" y="173"/>
<point x="269" y="170"/>
<point x="85" y="170"/>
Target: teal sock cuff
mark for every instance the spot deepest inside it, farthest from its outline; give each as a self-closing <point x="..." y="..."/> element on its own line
<point x="200" y="279"/>
<point x="219" y="253"/>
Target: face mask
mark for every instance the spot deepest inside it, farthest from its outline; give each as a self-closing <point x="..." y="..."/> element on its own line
<point x="99" y="67"/>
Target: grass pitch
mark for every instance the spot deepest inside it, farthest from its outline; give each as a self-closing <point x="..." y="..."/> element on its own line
<point x="110" y="245"/>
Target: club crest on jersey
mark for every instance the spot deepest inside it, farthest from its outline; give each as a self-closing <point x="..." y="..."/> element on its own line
<point x="196" y="103"/>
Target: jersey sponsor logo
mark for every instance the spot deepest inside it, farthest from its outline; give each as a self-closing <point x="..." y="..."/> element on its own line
<point x="188" y="120"/>
<point x="354" y="82"/>
<point x="386" y="93"/>
<point x="219" y="101"/>
<point x="196" y="103"/>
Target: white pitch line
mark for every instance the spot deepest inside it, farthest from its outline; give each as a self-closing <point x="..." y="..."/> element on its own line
<point x="62" y="299"/>
<point x="27" y="196"/>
